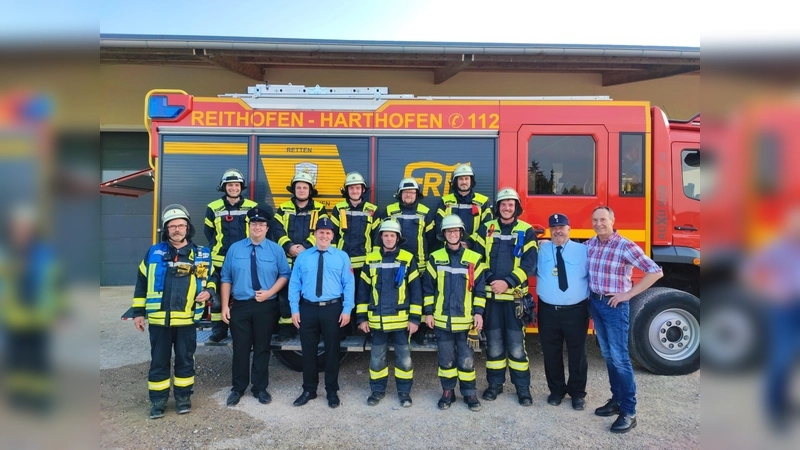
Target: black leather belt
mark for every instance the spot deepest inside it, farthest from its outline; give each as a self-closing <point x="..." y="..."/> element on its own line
<point x="561" y="307"/>
<point x="597" y="296"/>
<point x="325" y="303"/>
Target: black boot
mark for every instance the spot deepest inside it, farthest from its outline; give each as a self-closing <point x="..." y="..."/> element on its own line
<point x="492" y="391"/>
<point x="524" y="395"/>
<point x="158" y="409"/>
<point x="448" y="397"/>
<point x="183" y="404"/>
<point x="473" y="403"/>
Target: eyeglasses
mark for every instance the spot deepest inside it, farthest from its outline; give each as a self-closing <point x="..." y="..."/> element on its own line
<point x="258" y="224"/>
<point x="452" y="231"/>
<point x="176" y="227"/>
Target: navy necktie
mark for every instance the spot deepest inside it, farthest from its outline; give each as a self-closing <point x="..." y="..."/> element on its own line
<point x="320" y="270"/>
<point x="562" y="270"/>
<point x="254" y="270"/>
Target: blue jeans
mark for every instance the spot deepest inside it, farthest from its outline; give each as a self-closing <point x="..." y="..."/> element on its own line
<point x="784" y="347"/>
<point x="612" y="325"/>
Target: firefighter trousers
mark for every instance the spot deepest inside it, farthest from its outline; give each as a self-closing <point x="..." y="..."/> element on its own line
<point x="505" y="344"/>
<point x="379" y="367"/>
<point x="162" y="342"/>
<point x="456" y="361"/>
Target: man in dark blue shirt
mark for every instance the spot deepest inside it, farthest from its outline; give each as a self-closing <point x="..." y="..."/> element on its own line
<point x="321" y="297"/>
<point x="254" y="270"/>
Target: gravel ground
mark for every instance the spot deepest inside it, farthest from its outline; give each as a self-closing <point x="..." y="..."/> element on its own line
<point x="668" y="411"/>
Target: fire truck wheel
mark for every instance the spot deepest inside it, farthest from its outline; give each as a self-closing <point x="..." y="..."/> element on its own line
<point x="734" y="333"/>
<point x="664" y="333"/>
<point x="293" y="359"/>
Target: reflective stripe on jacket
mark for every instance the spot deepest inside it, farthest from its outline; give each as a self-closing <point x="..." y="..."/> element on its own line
<point x="226" y="224"/>
<point x="355" y="227"/>
<point x="150" y="286"/>
<point x="498" y="250"/>
<point x="380" y="300"/>
<point x="449" y="293"/>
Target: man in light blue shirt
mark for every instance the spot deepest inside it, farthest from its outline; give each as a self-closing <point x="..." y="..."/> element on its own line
<point x="562" y="285"/>
<point x="321" y="296"/>
<point x="254" y="271"/>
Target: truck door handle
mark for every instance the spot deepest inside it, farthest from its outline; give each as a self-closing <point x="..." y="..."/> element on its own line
<point x="686" y="228"/>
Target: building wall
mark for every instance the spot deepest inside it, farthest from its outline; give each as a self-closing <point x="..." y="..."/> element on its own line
<point x="125" y="86"/>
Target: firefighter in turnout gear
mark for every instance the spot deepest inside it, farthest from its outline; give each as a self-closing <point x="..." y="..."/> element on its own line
<point x="509" y="248"/>
<point x="473" y="208"/>
<point x="355" y="220"/>
<point x="454" y="301"/>
<point x="297" y="219"/>
<point x="416" y="223"/>
<point x="389" y="304"/>
<point x="226" y="223"/>
<point x="174" y="281"/>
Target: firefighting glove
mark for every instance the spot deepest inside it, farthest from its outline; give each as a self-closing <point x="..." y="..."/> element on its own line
<point x="519" y="310"/>
<point x="201" y="270"/>
<point x="473" y="338"/>
<point x="182" y="269"/>
<point x="216" y="303"/>
<point x="529" y="309"/>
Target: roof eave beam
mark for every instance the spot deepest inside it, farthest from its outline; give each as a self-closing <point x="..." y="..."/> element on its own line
<point x="231" y="63"/>
<point x="614" y="78"/>
<point x="452" y="68"/>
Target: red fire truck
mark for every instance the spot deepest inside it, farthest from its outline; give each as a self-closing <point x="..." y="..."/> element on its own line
<point x="562" y="154"/>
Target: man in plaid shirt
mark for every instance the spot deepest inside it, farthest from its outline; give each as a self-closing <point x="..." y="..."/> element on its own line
<point x="611" y="262"/>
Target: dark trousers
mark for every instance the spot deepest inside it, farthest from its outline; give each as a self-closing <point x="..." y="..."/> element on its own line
<point x="219" y="327"/>
<point x="316" y="321"/>
<point x="379" y="366"/>
<point x="28" y="374"/>
<point x="284" y="308"/>
<point x="558" y="325"/>
<point x="252" y="327"/>
<point x="456" y="361"/>
<point x="505" y="344"/>
<point x="162" y="341"/>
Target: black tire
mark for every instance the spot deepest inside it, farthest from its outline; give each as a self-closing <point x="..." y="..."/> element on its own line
<point x="294" y="359"/>
<point x="664" y="333"/>
<point x="734" y="333"/>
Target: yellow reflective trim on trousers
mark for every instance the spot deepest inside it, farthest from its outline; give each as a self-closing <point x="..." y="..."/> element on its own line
<point x="28" y="382"/>
<point x="448" y="373"/>
<point x="216" y="317"/>
<point x="496" y="364"/>
<point x="183" y="382"/>
<point x="380" y="374"/>
<point x="158" y="385"/>
<point x="516" y="365"/>
<point x="403" y="375"/>
<point x="466" y="376"/>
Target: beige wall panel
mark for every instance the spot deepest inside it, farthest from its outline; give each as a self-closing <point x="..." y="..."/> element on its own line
<point x="124" y="86"/>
